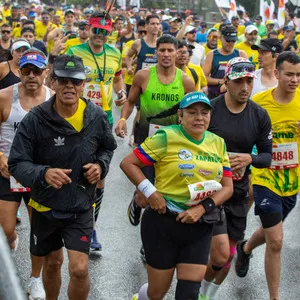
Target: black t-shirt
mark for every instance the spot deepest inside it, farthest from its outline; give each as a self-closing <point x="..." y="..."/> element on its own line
<point x="241" y="132"/>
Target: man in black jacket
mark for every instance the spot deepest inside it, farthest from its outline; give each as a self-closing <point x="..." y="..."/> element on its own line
<point x="62" y="148"/>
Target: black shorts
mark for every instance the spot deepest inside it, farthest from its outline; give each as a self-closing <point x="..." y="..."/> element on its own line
<point x="168" y="243"/>
<point x="49" y="234"/>
<point x="236" y="210"/>
<point x="7" y="195"/>
<point x="272" y="208"/>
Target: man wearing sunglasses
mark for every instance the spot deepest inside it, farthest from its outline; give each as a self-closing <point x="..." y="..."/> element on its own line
<point x="5" y="43"/>
<point x="103" y="67"/>
<point x="83" y="35"/>
<point x="61" y="150"/>
<point x="242" y="124"/>
<point x="15" y="102"/>
<point x="212" y="40"/>
<point x="216" y="61"/>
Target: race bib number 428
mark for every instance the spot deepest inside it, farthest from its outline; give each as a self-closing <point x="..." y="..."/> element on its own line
<point x="285" y="156"/>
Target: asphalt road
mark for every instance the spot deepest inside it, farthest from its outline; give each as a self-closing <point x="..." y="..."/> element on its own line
<point x="117" y="272"/>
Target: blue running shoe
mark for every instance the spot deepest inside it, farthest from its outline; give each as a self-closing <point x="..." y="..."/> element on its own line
<point x="95" y="245"/>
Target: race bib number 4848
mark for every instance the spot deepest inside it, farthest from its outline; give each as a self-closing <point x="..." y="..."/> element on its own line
<point x="285" y="156"/>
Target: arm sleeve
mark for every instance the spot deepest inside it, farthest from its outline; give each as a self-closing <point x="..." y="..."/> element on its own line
<point x="106" y="148"/>
<point x="20" y="161"/>
<point x="153" y="149"/>
<point x="264" y="144"/>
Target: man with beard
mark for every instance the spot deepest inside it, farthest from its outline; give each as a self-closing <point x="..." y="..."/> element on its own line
<point x="212" y="40"/>
<point x="251" y="34"/>
<point x="5" y="43"/>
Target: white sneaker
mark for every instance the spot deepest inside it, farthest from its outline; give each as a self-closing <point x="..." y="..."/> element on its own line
<point x="35" y="289"/>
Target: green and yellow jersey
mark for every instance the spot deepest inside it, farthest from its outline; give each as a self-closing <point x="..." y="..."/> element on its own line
<point x="283" y="176"/>
<point x="252" y="54"/>
<point x="110" y="64"/>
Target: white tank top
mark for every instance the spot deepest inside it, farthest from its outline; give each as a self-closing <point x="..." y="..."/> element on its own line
<point x="9" y="127"/>
<point x="257" y="84"/>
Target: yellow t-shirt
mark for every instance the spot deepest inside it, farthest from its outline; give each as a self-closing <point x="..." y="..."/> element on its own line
<point x="128" y="79"/>
<point x="283" y="176"/>
<point x="113" y="38"/>
<point x="77" y="122"/>
<point x="200" y="74"/>
<point x="16" y="33"/>
<point x="240" y="30"/>
<point x="72" y="42"/>
<point x="298" y="40"/>
<point x="250" y="53"/>
<point x="6" y="13"/>
<point x="40" y="29"/>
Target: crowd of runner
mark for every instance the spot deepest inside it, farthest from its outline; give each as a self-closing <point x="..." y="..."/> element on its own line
<point x="216" y="128"/>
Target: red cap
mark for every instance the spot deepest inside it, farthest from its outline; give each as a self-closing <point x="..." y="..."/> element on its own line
<point x="187" y="12"/>
<point x="101" y="23"/>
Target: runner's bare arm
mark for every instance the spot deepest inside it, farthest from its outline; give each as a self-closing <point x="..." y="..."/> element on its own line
<point x="3" y="68"/>
<point x="207" y="70"/>
<point x="52" y="35"/>
<point x="133" y="51"/>
<point x="119" y="88"/>
<point x="127" y="30"/>
<point x="187" y="22"/>
<point x="243" y="54"/>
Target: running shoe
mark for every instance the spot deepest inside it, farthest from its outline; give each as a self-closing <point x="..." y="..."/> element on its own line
<point x="134" y="212"/>
<point x="95" y="245"/>
<point x="242" y="260"/>
<point x="135" y="297"/>
<point x="35" y="289"/>
<point x="18" y="219"/>
<point x="203" y="297"/>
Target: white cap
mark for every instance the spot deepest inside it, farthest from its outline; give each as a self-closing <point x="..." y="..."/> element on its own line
<point x="165" y="17"/>
<point x="23" y="18"/>
<point x="250" y="28"/>
<point x="188" y="29"/>
<point x="19" y="44"/>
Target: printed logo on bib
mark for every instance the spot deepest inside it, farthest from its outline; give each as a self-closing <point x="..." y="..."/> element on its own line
<point x="285" y="156"/>
<point x="93" y="92"/>
<point x="185" y="154"/>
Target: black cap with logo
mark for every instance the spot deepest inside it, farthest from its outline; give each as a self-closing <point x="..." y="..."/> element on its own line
<point x="229" y="33"/>
<point x="269" y="44"/>
<point x="69" y="66"/>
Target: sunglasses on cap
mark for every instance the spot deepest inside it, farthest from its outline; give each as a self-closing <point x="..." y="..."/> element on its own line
<point x="25" y="71"/>
<point x="65" y="81"/>
<point x="242" y="67"/>
<point x="5" y="31"/>
<point x="100" y="30"/>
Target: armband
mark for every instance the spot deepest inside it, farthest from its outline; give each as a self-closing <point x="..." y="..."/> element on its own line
<point x="208" y="204"/>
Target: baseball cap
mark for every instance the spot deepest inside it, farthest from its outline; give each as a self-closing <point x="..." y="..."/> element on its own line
<point x="188" y="12"/>
<point x="250" y="28"/>
<point x="188" y="29"/>
<point x="101" y="22"/>
<point x="258" y="18"/>
<point x="69" y="66"/>
<point x="270" y="22"/>
<point x="19" y="44"/>
<point x="288" y="28"/>
<point x="33" y="58"/>
<point x="234" y="18"/>
<point x="83" y="23"/>
<point x="239" y="67"/>
<point x="23" y="18"/>
<point x="31" y="14"/>
<point x="175" y="19"/>
<point x="269" y="44"/>
<point x="194" y="97"/>
<point x="229" y="32"/>
<point x="210" y="30"/>
<point x="69" y="11"/>
<point x="165" y="18"/>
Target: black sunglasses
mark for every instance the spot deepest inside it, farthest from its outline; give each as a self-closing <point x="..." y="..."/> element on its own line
<point x="35" y="70"/>
<point x="65" y="80"/>
<point x="142" y="31"/>
<point x="83" y="27"/>
<point x="5" y="31"/>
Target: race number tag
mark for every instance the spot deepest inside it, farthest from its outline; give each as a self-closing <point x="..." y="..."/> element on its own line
<point x="146" y="65"/>
<point x="285" y="156"/>
<point x="16" y="186"/>
<point x="153" y="128"/>
<point x="93" y="92"/>
<point x="202" y="190"/>
<point x="241" y="171"/>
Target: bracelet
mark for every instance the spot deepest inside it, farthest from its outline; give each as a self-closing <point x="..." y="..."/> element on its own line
<point x="147" y="188"/>
<point x="122" y="119"/>
<point x="51" y="58"/>
<point x="208" y="204"/>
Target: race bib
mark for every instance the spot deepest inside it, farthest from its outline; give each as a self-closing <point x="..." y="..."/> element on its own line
<point x="146" y="65"/>
<point x="153" y="128"/>
<point x="241" y="171"/>
<point x="93" y="92"/>
<point x="285" y="156"/>
<point x="202" y="190"/>
<point x="16" y="186"/>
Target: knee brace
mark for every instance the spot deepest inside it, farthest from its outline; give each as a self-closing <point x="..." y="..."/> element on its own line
<point x="232" y="252"/>
<point x="216" y="268"/>
<point x="187" y="290"/>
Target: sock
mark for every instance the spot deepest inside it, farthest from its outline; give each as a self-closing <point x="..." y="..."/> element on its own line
<point x="204" y="287"/>
<point x="213" y="288"/>
<point x="143" y="292"/>
<point x="99" y="195"/>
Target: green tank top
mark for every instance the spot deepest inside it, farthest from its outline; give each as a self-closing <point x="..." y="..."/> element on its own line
<point x="157" y="98"/>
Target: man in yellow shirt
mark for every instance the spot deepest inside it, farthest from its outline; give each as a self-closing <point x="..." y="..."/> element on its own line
<point x="6" y="10"/>
<point x="251" y="34"/>
<point x="235" y="21"/>
<point x="275" y="188"/>
<point x="41" y="26"/>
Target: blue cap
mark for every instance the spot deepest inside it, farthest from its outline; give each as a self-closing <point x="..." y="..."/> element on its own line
<point x="33" y="58"/>
<point x="31" y="14"/>
<point x="288" y="28"/>
<point x="194" y="97"/>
